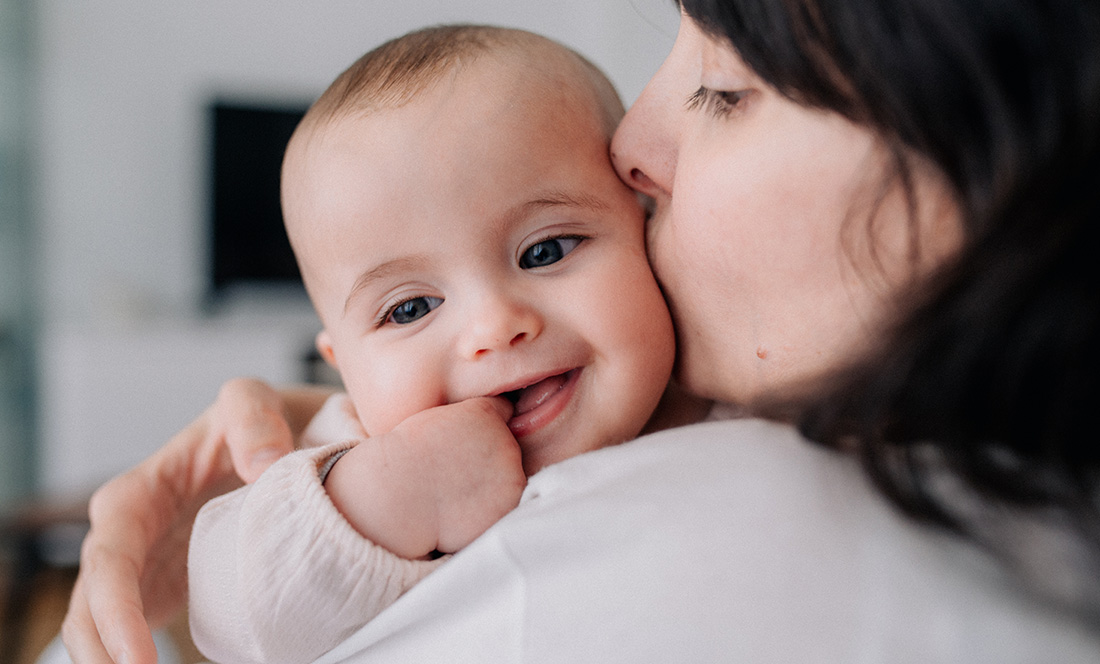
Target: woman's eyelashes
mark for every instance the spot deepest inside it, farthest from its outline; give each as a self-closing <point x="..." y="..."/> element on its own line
<point x="548" y="251"/>
<point x="410" y="310"/>
<point x="717" y="102"/>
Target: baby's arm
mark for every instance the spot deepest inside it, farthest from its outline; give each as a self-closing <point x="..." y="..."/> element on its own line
<point x="433" y="483"/>
<point x="277" y="574"/>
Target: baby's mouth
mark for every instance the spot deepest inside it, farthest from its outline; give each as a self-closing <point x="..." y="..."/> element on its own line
<point x="533" y="396"/>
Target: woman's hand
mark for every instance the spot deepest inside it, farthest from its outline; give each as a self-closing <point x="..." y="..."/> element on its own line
<point x="133" y="575"/>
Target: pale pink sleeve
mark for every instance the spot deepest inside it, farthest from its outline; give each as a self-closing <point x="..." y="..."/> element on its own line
<point x="277" y="575"/>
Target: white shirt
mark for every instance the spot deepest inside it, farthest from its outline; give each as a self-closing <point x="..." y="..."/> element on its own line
<point x="731" y="541"/>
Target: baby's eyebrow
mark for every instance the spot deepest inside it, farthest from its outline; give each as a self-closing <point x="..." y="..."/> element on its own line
<point x="387" y="269"/>
<point x="561" y="198"/>
<point x="520" y="212"/>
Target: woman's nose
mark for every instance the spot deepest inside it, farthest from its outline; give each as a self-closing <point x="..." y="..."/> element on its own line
<point x="646" y="144"/>
<point x="498" y="323"/>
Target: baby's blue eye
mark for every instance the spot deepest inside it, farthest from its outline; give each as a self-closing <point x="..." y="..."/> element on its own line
<point x="548" y="252"/>
<point x="412" y="310"/>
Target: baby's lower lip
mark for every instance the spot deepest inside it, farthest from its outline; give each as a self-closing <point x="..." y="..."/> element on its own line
<point x="538" y="412"/>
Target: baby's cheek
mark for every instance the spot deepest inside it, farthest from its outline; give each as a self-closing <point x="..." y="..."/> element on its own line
<point x="384" y="403"/>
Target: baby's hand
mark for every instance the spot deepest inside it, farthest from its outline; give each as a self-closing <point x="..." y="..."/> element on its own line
<point x="436" y="482"/>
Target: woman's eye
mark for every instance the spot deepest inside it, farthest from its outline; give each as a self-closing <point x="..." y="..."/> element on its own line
<point x="548" y="252"/>
<point x="412" y="310"/>
<point x="718" y="102"/>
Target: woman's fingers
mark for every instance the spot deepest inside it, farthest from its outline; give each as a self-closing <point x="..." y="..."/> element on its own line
<point x="252" y="416"/>
<point x="257" y="442"/>
<point x="134" y="531"/>
<point x="126" y="517"/>
<point x="121" y="635"/>
<point x="106" y="620"/>
<point x="133" y="573"/>
<point x="80" y="634"/>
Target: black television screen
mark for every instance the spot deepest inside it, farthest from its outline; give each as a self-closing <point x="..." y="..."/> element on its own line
<point x="248" y="243"/>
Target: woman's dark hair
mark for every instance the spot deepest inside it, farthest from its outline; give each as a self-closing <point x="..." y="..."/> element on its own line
<point x="991" y="378"/>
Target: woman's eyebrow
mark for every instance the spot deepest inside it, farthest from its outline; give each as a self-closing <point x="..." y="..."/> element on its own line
<point x="382" y="271"/>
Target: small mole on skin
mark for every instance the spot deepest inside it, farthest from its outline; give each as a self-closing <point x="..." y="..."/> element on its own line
<point x="762" y="353"/>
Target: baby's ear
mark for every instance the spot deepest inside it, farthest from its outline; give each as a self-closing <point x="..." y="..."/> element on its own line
<point x="324" y="347"/>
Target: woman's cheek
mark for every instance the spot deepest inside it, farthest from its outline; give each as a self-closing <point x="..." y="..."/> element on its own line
<point x="658" y="247"/>
<point x="691" y="243"/>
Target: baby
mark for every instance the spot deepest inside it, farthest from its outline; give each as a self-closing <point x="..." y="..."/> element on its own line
<point x="481" y="277"/>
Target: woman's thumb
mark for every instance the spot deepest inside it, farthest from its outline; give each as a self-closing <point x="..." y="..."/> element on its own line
<point x="256" y="431"/>
<point x="258" y="444"/>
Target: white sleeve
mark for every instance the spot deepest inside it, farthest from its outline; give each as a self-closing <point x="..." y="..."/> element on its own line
<point x="277" y="575"/>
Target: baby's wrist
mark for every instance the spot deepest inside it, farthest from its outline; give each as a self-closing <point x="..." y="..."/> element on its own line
<point x="371" y="495"/>
<point x="324" y="470"/>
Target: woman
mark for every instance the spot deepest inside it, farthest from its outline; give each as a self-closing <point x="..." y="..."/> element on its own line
<point x="876" y="220"/>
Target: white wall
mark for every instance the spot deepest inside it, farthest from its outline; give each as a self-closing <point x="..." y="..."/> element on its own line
<point x="121" y="87"/>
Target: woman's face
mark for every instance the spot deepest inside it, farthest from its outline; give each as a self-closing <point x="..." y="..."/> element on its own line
<point x="777" y="236"/>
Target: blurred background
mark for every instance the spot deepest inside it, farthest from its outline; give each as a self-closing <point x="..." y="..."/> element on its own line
<point x="142" y="261"/>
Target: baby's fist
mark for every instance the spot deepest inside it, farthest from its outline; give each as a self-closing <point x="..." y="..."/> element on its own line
<point x="472" y="464"/>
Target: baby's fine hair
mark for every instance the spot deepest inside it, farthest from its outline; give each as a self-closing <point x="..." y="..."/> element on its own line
<point x="394" y="73"/>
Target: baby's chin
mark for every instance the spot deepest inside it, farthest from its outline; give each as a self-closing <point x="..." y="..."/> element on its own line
<point x="549" y="455"/>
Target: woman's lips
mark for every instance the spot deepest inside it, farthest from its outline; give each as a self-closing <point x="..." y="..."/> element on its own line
<point x="537" y="405"/>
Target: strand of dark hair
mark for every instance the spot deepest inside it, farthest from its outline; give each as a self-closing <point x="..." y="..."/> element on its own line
<point x="994" y="367"/>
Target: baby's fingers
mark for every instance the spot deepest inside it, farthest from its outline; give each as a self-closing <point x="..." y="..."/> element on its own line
<point x="498" y="405"/>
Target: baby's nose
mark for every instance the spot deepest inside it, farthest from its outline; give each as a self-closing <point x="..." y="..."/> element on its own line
<point x="501" y="323"/>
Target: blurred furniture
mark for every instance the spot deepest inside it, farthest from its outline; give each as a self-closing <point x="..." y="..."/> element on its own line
<point x="40" y="540"/>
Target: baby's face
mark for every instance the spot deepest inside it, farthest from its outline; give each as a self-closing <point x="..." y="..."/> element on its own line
<point x="477" y="242"/>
